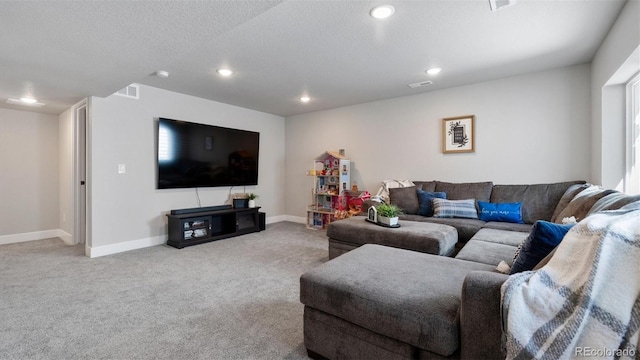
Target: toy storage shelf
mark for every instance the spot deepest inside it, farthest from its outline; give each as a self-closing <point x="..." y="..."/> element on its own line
<point x="331" y="174"/>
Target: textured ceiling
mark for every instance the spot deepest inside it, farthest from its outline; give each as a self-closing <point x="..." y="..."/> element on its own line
<point x="333" y="51"/>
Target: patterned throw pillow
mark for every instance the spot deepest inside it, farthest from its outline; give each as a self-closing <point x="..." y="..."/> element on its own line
<point x="542" y="239"/>
<point x="507" y="212"/>
<point x="425" y="201"/>
<point x="443" y="208"/>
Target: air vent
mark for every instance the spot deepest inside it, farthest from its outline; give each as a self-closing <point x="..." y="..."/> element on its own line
<point x="131" y="91"/>
<point x="420" y="84"/>
<point x="496" y="5"/>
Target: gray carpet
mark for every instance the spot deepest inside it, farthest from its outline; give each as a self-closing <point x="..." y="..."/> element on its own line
<point x="230" y="299"/>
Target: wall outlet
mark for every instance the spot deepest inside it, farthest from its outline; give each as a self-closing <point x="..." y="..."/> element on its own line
<point x="122" y="169"/>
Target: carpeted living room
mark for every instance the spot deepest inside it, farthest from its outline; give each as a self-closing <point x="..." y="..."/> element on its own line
<point x="119" y="239"/>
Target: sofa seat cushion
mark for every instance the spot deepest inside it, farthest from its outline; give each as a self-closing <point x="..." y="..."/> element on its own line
<point x="466" y="227"/>
<point x="501" y="236"/>
<point x="405" y="295"/>
<point x="499" y="225"/>
<point x="490" y="246"/>
<point x="417" y="236"/>
<point x="489" y="253"/>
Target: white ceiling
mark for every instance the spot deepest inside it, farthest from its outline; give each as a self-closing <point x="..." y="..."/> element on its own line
<point x="333" y="51"/>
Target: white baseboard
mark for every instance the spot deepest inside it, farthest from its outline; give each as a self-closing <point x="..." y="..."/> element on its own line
<point x="30" y="236"/>
<point x="276" y="219"/>
<point x="110" y="249"/>
<point x="295" y="219"/>
<point x="66" y="237"/>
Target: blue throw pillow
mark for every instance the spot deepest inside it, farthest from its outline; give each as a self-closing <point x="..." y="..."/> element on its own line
<point x="542" y="239"/>
<point x="507" y="212"/>
<point x="425" y="203"/>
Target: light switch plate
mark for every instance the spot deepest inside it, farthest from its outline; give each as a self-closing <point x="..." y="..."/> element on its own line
<point x="122" y="169"/>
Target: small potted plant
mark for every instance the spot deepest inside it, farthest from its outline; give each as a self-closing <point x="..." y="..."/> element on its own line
<point x="252" y="200"/>
<point x="388" y="214"/>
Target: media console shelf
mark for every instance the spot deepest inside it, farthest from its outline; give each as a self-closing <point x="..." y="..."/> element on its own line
<point x="200" y="225"/>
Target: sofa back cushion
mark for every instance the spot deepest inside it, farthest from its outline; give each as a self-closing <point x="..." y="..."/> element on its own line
<point x="613" y="201"/>
<point x="571" y="192"/>
<point x="580" y="205"/>
<point x="480" y="191"/>
<point x="538" y="200"/>
<point x="405" y="198"/>
<point x="429" y="186"/>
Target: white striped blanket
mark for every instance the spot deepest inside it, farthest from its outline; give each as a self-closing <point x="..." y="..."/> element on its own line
<point x="585" y="302"/>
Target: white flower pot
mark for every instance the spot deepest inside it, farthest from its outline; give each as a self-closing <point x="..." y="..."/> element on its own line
<point x="388" y="221"/>
<point x="252" y="203"/>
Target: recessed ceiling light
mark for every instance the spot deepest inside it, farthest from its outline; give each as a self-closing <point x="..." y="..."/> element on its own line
<point x="433" y="71"/>
<point x="162" y="74"/>
<point x="26" y="102"/>
<point x="225" y="72"/>
<point x="382" y="11"/>
<point x="305" y="99"/>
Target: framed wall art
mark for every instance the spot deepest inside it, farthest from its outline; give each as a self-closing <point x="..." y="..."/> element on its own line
<point x="458" y="134"/>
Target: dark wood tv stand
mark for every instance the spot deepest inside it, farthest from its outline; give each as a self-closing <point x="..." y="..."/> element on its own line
<point x="200" y="225"/>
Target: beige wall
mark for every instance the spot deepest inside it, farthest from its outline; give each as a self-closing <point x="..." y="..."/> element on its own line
<point x="532" y="128"/>
<point x="28" y="175"/>
<point x="127" y="208"/>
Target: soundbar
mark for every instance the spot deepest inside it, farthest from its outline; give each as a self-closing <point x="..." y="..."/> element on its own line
<point x="200" y="209"/>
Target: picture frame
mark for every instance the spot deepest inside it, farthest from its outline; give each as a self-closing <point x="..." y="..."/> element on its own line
<point x="458" y="134"/>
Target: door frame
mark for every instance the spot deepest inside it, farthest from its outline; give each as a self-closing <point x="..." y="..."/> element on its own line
<point x="80" y="173"/>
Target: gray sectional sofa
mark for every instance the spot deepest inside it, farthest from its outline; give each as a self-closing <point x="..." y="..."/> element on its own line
<point x="379" y="300"/>
<point x="539" y="202"/>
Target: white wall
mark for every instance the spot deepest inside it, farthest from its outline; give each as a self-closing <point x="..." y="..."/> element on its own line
<point x="28" y="176"/>
<point x="607" y="96"/>
<point x="529" y="129"/>
<point x="126" y="210"/>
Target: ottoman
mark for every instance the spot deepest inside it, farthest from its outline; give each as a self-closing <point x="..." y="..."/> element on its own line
<point x="378" y="302"/>
<point x="348" y="234"/>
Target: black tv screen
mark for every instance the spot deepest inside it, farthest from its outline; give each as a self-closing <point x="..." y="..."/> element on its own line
<point x="198" y="155"/>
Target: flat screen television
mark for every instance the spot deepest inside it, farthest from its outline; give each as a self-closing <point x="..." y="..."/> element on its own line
<point x="199" y="155"/>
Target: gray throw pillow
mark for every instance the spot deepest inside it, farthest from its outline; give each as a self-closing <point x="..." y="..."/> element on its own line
<point x="405" y="198"/>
